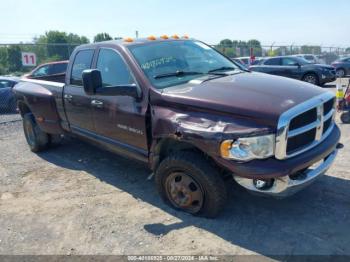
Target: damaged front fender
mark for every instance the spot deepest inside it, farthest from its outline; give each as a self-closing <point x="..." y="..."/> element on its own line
<point x="202" y="130"/>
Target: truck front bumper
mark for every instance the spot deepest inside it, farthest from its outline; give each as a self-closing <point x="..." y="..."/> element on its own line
<point x="288" y="185"/>
<point x="288" y="175"/>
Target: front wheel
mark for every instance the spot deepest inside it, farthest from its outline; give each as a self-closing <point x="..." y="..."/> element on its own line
<point x="188" y="183"/>
<point x="36" y="138"/>
<point x="311" y="78"/>
<point x="340" y="73"/>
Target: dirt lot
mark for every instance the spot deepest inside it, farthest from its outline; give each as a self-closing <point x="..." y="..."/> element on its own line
<point x="76" y="199"/>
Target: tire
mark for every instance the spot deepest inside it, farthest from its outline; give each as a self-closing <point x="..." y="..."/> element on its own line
<point x="340" y="73"/>
<point x="345" y="117"/>
<point x="202" y="190"/>
<point x="36" y="138"/>
<point x="311" y="78"/>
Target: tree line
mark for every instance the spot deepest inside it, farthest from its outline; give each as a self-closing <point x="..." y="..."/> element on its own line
<point x="52" y="46"/>
<point x="57" y="45"/>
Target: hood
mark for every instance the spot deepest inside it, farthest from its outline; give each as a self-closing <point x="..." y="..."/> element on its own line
<point x="319" y="66"/>
<point x="256" y="96"/>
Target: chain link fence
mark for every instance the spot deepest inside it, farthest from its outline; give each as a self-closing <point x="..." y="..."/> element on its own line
<point x="324" y="54"/>
<point x="18" y="60"/>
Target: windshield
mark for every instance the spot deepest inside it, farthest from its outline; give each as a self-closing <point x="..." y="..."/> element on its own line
<point x="172" y="63"/>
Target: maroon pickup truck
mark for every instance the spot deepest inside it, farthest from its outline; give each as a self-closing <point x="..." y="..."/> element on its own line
<point x="191" y="114"/>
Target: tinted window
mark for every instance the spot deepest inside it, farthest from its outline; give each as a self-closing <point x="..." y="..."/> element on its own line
<point x="273" y="61"/>
<point x="289" y="61"/>
<point x="4" y="84"/>
<point x="309" y="57"/>
<point x="41" y="71"/>
<point x="58" y="68"/>
<point x="82" y="61"/>
<point x="113" y="69"/>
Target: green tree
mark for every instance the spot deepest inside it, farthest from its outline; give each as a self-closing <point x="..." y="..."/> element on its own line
<point x="3" y="57"/>
<point x="347" y="50"/>
<point x="256" y="45"/>
<point x="102" y="37"/>
<point x="226" y="43"/>
<point x="56" y="45"/>
<point x="14" y="58"/>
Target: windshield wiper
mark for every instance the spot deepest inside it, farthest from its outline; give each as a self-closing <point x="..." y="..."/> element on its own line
<point x="178" y="73"/>
<point x="221" y="69"/>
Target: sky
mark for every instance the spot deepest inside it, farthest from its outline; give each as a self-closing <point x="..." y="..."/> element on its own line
<point x="321" y="22"/>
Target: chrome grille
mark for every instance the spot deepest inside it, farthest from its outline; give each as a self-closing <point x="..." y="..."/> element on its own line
<point x="305" y="126"/>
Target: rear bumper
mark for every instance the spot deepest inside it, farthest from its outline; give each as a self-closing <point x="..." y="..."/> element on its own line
<point x="285" y="186"/>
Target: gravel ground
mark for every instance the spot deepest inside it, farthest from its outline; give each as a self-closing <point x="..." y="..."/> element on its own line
<point x="77" y="199"/>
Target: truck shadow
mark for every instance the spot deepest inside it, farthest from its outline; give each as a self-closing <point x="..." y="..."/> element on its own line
<point x="315" y="221"/>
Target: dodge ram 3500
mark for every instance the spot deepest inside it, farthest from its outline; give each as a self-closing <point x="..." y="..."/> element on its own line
<point x="191" y="114"/>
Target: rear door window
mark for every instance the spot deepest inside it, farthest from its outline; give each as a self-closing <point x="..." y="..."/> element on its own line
<point x="273" y="61"/>
<point x="82" y="61"/>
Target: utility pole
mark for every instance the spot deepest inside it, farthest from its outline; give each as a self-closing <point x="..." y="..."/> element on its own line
<point x="137" y="34"/>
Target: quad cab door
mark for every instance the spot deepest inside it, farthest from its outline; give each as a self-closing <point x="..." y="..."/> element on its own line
<point x="119" y="120"/>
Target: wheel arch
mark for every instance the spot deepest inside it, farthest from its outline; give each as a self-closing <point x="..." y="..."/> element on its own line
<point x="167" y="145"/>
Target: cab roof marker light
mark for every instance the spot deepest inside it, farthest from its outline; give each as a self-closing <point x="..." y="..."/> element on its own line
<point x="175" y="36"/>
<point x="185" y="37"/>
<point x="164" y="37"/>
<point x="128" y="39"/>
<point x="152" y="38"/>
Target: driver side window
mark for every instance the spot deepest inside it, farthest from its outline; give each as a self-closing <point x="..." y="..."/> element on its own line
<point x="114" y="71"/>
<point x="288" y="62"/>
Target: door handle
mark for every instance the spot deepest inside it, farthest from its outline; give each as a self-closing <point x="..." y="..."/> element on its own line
<point x="68" y="97"/>
<point x="97" y="103"/>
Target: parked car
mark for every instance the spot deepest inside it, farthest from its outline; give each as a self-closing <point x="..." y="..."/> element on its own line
<point x="54" y="71"/>
<point x="297" y="68"/>
<point x="7" y="98"/>
<point x="247" y="60"/>
<point x="342" y="66"/>
<point x="312" y="59"/>
<point x="239" y="61"/>
<point x="195" y="121"/>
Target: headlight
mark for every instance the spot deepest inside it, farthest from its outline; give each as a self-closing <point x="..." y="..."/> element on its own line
<point x="248" y="148"/>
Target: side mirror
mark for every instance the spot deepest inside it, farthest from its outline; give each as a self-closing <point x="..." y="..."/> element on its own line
<point x="92" y="80"/>
<point x="298" y="65"/>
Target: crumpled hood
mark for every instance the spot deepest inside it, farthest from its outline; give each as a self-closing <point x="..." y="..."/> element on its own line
<point x="255" y="96"/>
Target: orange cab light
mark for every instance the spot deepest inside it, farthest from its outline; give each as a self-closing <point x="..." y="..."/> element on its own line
<point x="185" y="37"/>
<point x="128" y="39"/>
<point x="164" y="37"/>
<point x="151" y="37"/>
<point x="175" y="37"/>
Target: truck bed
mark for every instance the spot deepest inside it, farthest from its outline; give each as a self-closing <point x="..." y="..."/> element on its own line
<point x="43" y="98"/>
